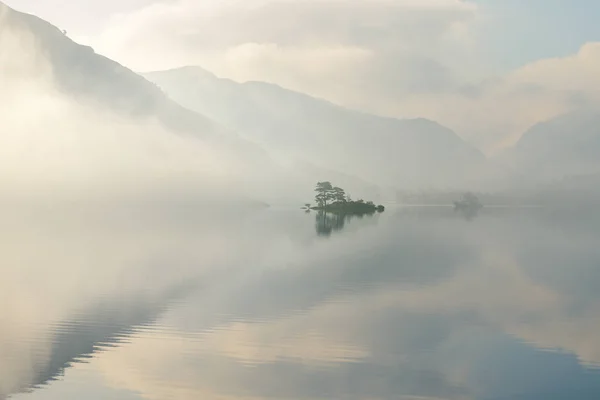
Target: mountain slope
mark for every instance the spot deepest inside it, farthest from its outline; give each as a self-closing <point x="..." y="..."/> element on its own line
<point x="75" y="115"/>
<point x="89" y="77"/>
<point x="401" y="153"/>
<point x="565" y="145"/>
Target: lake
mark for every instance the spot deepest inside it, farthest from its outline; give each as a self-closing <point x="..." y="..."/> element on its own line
<point x="417" y="303"/>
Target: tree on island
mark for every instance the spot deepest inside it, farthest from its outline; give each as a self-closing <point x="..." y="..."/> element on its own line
<point x="468" y="201"/>
<point x="324" y="193"/>
<point x="339" y="195"/>
<point x="334" y="199"/>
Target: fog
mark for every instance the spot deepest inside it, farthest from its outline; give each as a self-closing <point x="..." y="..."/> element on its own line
<point x="138" y="248"/>
<point x="386" y="152"/>
<point x="137" y="294"/>
<point x="91" y="187"/>
<point x="79" y="124"/>
<point x="69" y="132"/>
<point x="72" y="277"/>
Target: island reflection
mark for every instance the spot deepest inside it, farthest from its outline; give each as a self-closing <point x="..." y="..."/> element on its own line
<point x="327" y="223"/>
<point x="421" y="306"/>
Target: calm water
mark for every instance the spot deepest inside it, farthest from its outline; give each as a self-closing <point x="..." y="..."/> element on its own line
<point x="415" y="303"/>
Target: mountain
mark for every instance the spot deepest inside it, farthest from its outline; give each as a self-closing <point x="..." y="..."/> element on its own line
<point x="91" y="78"/>
<point x="74" y="114"/>
<point x="562" y="146"/>
<point x="405" y="153"/>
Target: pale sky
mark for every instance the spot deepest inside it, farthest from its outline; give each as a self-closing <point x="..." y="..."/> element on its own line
<point x="488" y="69"/>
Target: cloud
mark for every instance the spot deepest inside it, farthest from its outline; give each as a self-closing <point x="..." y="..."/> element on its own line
<point x="507" y="106"/>
<point x="191" y="32"/>
<point x="77" y="121"/>
<point x="401" y="58"/>
<point x="366" y="46"/>
<point x="494" y="112"/>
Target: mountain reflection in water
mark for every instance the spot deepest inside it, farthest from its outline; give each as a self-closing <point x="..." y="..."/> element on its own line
<point x="412" y="303"/>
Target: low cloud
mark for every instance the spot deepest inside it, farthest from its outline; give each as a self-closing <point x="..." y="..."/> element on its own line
<point x="68" y="124"/>
<point x="397" y="58"/>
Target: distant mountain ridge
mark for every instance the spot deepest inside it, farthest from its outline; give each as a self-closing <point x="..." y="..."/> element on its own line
<point x="566" y="145"/>
<point x="88" y="76"/>
<point x="312" y="137"/>
<point x="35" y="51"/>
<point x="387" y="151"/>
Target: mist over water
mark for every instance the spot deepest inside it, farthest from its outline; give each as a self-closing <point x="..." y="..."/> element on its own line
<point x="153" y="245"/>
<point x="415" y="302"/>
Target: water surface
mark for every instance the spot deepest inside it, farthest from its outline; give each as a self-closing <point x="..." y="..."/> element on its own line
<point x="414" y="303"/>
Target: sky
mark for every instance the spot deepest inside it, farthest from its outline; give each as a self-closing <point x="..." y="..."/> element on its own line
<point x="489" y="69"/>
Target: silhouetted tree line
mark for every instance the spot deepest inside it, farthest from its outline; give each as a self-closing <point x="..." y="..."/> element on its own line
<point x="334" y="198"/>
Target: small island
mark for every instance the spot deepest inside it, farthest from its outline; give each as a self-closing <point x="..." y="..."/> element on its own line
<point x="334" y="199"/>
<point x="468" y="202"/>
<point x="468" y="206"/>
